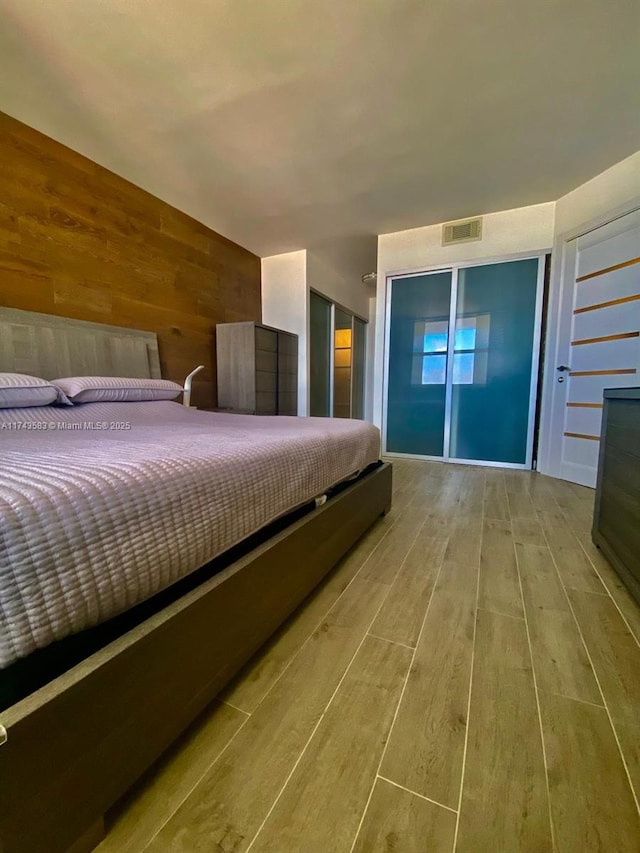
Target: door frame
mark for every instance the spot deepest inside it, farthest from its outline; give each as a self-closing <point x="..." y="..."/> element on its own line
<point x="563" y="255"/>
<point x="454" y="268"/>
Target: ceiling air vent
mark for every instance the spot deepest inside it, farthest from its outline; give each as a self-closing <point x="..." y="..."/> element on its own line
<point x="463" y="231"/>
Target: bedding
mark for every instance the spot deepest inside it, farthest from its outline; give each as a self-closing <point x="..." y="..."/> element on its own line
<point x="115" y="389"/>
<point x="20" y="390"/>
<point x="105" y="504"/>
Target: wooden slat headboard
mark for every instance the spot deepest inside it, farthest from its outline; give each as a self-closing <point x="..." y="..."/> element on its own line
<point x="52" y="347"/>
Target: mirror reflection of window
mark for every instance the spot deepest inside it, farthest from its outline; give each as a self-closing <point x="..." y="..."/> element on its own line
<point x="470" y="351"/>
<point x="430" y="340"/>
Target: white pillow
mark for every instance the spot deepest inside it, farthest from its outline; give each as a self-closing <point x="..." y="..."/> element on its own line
<point x="116" y="389"/>
<point x="19" y="391"/>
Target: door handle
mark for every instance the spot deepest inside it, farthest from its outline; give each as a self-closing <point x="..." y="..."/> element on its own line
<point x="562" y="368"/>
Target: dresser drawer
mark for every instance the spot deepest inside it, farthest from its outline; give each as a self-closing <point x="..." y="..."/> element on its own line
<point x="287" y="363"/>
<point x="288" y="404"/>
<point x="616" y="524"/>
<point x="266" y="361"/>
<point x="287" y="344"/>
<point x="266" y="381"/>
<point x="265" y="403"/>
<point x="623" y="425"/>
<point x="266" y="339"/>
<point x="287" y="384"/>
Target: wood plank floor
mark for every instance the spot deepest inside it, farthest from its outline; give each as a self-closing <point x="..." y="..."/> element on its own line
<point x="467" y="679"/>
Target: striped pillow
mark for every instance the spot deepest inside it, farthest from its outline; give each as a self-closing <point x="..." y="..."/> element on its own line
<point x="19" y="391"/>
<point x="116" y="389"/>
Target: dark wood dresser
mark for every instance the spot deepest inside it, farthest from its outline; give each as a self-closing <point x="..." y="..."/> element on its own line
<point x="616" y="520"/>
<point x="257" y="369"/>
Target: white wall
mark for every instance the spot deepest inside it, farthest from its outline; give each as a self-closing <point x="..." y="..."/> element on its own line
<point x="509" y="232"/>
<point x="525" y="229"/>
<point x="335" y="269"/>
<point x="610" y="194"/>
<point x="285" y="305"/>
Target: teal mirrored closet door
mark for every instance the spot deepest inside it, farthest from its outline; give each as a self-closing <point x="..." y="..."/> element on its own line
<point x="462" y="363"/>
<point x="418" y="341"/>
<point x="492" y="361"/>
<point x="319" y="356"/>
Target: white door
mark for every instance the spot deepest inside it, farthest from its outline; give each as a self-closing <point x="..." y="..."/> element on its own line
<point x="598" y="342"/>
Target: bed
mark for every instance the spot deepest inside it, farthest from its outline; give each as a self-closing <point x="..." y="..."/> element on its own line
<point x="102" y="522"/>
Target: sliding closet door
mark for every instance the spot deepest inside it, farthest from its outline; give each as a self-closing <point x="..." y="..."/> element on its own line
<point x="418" y="343"/>
<point x="320" y="356"/>
<point x="358" y="359"/>
<point x="337" y="350"/>
<point x="493" y="354"/>
<point x="462" y="363"/>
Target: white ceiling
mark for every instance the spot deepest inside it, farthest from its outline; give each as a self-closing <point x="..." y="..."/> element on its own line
<point x="286" y="123"/>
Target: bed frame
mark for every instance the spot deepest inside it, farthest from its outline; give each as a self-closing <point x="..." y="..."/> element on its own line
<point x="52" y="347"/>
<point x="75" y="746"/>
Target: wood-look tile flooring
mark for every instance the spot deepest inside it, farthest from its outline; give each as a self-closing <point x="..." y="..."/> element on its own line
<point x="468" y="679"/>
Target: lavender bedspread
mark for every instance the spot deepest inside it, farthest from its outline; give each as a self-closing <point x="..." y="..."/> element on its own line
<point x="96" y="516"/>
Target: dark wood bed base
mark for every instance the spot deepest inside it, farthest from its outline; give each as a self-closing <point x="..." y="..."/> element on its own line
<point x="41" y="667"/>
<point x="75" y="746"/>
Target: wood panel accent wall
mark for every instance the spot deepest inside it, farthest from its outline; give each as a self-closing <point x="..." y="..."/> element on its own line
<point x="79" y="241"/>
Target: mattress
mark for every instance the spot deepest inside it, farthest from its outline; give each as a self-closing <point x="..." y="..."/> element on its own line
<point x="104" y="505"/>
